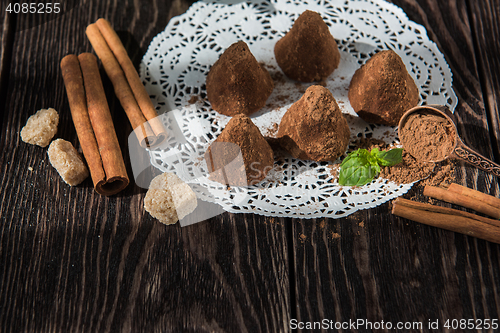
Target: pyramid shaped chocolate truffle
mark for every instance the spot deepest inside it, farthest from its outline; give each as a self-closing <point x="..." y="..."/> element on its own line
<point x="382" y="89"/>
<point x="314" y="128"/>
<point x="240" y="155"/>
<point x="308" y="52"/>
<point x="237" y="83"/>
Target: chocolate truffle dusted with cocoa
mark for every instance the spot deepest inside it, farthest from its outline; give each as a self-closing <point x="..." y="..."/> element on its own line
<point x="237" y="83"/>
<point x="308" y="52"/>
<point x="382" y="90"/>
<point x="314" y="127"/>
<point x="240" y="155"/>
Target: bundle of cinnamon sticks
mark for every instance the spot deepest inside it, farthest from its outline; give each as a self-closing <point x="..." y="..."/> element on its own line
<point x="90" y="111"/>
<point x="453" y="219"/>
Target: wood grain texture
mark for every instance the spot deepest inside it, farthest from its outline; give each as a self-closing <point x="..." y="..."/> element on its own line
<point x="486" y="32"/>
<point x="6" y="38"/>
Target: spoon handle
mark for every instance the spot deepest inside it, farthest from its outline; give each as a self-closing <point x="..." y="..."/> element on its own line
<point x="466" y="154"/>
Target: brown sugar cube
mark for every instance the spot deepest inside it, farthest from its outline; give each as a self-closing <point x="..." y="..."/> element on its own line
<point x="169" y="199"/>
<point x="237" y="83"/>
<point x="382" y="89"/>
<point x="40" y="127"/>
<point x="308" y="52"/>
<point x="314" y="128"/>
<point x="68" y="163"/>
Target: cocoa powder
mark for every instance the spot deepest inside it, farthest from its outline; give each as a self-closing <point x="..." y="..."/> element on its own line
<point x="428" y="136"/>
<point x="443" y="175"/>
<point x="408" y="171"/>
<point x="411" y="170"/>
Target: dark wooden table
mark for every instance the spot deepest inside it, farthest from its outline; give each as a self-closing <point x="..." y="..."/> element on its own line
<point x="74" y="261"/>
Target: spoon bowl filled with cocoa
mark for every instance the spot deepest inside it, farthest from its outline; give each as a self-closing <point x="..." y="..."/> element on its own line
<point x="429" y="134"/>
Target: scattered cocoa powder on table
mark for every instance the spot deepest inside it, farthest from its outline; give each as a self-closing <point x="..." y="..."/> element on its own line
<point x="443" y="175"/>
<point x="411" y="170"/>
<point x="408" y="171"/>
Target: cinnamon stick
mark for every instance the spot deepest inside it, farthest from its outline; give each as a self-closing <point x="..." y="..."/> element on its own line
<point x="474" y="194"/>
<point x="447" y="218"/>
<point x="126" y="82"/>
<point x="126" y="64"/>
<point x="445" y="210"/>
<point x="462" y="200"/>
<point x="122" y="89"/>
<point x="93" y="123"/>
<point x="73" y="80"/>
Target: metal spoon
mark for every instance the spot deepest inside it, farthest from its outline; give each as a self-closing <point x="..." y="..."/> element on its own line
<point x="460" y="150"/>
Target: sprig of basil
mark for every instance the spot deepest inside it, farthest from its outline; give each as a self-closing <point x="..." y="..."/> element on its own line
<point x="361" y="166"/>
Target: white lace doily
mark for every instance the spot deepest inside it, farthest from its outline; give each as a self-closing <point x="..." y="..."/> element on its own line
<point x="177" y="62"/>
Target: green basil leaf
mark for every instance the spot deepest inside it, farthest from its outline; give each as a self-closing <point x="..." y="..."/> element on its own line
<point x="358" y="168"/>
<point x="375" y="168"/>
<point x="357" y="175"/>
<point x="373" y="159"/>
<point x="354" y="158"/>
<point x="390" y="157"/>
<point x="370" y="173"/>
<point x="375" y="152"/>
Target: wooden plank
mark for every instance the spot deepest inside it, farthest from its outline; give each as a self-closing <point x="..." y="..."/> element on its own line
<point x="223" y="275"/>
<point x="76" y="261"/>
<point x="375" y="267"/>
<point x="6" y="32"/>
<point x="486" y="32"/>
